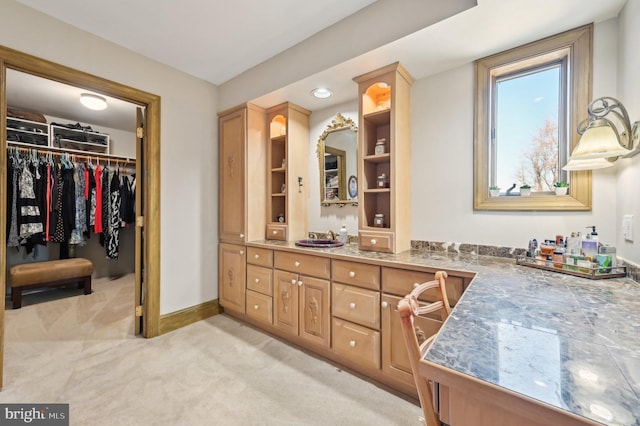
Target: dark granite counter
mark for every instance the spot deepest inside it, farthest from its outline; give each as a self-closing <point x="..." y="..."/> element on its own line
<point x="566" y="341"/>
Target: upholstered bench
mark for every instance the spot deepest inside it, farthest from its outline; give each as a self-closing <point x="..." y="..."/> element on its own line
<point x="52" y="273"/>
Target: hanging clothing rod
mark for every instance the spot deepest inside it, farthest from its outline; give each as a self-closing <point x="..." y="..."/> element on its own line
<point x="71" y="152"/>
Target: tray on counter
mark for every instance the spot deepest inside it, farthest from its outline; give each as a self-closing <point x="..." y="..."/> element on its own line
<point x="594" y="273"/>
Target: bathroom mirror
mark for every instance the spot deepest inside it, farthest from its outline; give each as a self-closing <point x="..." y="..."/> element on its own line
<point x="338" y="156"/>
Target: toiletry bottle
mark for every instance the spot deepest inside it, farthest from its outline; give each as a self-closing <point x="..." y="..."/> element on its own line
<point x="343" y="235"/>
<point x="590" y="244"/>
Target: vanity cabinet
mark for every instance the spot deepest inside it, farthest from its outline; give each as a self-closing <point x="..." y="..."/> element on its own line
<point x="287" y="172"/>
<point x="243" y="162"/>
<point x="231" y="277"/>
<point x="384" y="159"/>
<point x="302" y="297"/>
<point x="260" y="285"/>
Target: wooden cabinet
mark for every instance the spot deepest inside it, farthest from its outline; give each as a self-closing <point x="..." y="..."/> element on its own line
<point x="242" y="160"/>
<point x="260" y="285"/>
<point x="302" y="301"/>
<point x="400" y="282"/>
<point x="287" y="172"/>
<point x="357" y="344"/>
<point x="231" y="277"/>
<point x="384" y="159"/>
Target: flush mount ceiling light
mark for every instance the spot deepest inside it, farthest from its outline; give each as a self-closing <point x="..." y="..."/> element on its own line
<point x="94" y="102"/>
<point x="321" y="93"/>
<point x="604" y="138"/>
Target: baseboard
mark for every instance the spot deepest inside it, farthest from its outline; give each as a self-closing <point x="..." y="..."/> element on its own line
<point x="184" y="317"/>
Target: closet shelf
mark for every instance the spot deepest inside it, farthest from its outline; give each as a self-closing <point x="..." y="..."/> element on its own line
<point x="79" y="153"/>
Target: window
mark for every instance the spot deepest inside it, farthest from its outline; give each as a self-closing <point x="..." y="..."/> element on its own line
<point x="528" y="103"/>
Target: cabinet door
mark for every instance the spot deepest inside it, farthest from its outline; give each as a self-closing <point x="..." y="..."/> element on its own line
<point x="285" y="301"/>
<point x="232" y="177"/>
<point x="231" y="278"/>
<point x="395" y="359"/>
<point x="315" y="311"/>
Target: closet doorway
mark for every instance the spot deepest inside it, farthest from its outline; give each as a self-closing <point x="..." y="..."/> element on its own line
<point x="147" y="170"/>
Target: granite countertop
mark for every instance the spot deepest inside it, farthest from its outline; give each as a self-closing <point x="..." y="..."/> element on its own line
<point x="567" y="341"/>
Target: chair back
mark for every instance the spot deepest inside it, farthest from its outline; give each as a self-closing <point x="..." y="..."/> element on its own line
<point x="418" y="344"/>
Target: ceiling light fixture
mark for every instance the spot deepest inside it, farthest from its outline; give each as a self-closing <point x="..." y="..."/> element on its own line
<point x="322" y="93"/>
<point x="602" y="139"/>
<point x="94" y="102"/>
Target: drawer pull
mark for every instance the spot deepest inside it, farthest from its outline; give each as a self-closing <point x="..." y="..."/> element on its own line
<point x="384" y="305"/>
<point x="256" y="256"/>
<point x="294" y="281"/>
<point x="241" y="252"/>
<point x="352" y="305"/>
<point x="257" y="280"/>
<point x="241" y="235"/>
<point x="299" y="283"/>
<point x="373" y="242"/>
<point x="274" y="232"/>
<point x="296" y="263"/>
<point x="256" y="307"/>
<point x="352" y="343"/>
<point x="352" y="274"/>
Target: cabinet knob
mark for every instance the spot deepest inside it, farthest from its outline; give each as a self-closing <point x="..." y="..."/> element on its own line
<point x="296" y="263"/>
<point x="241" y="235"/>
<point x="241" y="252"/>
<point x="352" y="305"/>
<point x="256" y="307"/>
<point x="256" y="256"/>
<point x="352" y="343"/>
<point x="274" y="232"/>
<point x="352" y="274"/>
<point x="384" y="305"/>
<point x="373" y="242"/>
<point x="257" y="280"/>
<point x="299" y="283"/>
<point x="294" y="281"/>
<point x="415" y="285"/>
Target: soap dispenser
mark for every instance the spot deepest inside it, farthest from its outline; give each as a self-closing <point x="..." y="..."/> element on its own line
<point x="343" y="235"/>
<point x="590" y="243"/>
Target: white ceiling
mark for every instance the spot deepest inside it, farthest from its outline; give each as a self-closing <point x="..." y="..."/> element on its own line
<point x="219" y="40"/>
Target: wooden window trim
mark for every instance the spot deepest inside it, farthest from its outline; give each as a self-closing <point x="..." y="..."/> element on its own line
<point x="578" y="44"/>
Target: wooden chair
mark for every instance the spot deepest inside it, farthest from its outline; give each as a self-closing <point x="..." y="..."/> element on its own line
<point x="408" y="308"/>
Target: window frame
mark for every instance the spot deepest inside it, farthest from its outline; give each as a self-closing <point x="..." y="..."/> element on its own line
<point x="575" y="46"/>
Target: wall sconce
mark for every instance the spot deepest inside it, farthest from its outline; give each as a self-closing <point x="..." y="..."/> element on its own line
<point x="602" y="139"/>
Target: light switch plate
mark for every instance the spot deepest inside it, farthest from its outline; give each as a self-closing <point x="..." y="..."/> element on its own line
<point x="627" y="227"/>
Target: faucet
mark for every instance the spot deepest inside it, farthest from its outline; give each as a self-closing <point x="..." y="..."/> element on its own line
<point x="331" y="235"/>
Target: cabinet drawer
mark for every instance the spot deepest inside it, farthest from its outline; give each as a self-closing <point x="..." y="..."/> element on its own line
<point x="377" y="241"/>
<point x="355" y="343"/>
<point x="260" y="279"/>
<point x="303" y="264"/>
<point x="401" y="282"/>
<point x="260" y="256"/>
<point x="260" y="307"/>
<point x="276" y="232"/>
<point x="359" y="274"/>
<point x="356" y="305"/>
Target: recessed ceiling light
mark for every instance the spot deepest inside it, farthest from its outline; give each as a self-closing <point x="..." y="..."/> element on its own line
<point x="321" y="92"/>
<point x="94" y="102"/>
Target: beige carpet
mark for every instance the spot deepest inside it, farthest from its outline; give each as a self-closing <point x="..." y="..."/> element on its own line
<point x="65" y="347"/>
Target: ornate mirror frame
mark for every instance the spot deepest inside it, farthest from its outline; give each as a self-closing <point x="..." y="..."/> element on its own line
<point x="339" y="123"/>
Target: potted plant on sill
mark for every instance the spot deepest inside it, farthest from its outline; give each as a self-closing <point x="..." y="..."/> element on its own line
<point x="525" y="190"/>
<point x="561" y="188"/>
<point x="494" y="191"/>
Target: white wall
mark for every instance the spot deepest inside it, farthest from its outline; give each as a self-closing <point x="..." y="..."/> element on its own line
<point x="323" y="219"/>
<point x="628" y="196"/>
<point x="442" y="167"/>
<point x="189" y="212"/>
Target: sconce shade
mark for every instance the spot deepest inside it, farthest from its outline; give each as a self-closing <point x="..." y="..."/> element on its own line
<point x="595" y="163"/>
<point x="599" y="140"/>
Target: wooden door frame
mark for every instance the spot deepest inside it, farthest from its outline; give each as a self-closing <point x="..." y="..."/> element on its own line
<point x="26" y="63"/>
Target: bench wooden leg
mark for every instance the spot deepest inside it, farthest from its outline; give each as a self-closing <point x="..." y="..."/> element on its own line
<point x="87" y="285"/>
<point x="16" y="297"/>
